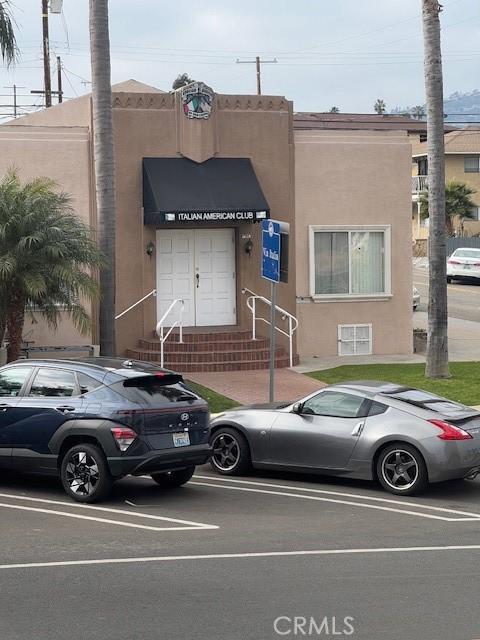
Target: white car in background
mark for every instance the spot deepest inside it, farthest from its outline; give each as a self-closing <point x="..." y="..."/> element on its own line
<point x="463" y="263"/>
<point x="416" y="298"/>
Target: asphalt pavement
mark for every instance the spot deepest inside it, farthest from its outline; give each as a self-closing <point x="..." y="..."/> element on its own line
<point x="256" y="558"/>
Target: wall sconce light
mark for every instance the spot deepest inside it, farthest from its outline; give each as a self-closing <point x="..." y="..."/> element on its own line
<point x="248" y="246"/>
<point x="150" y="249"/>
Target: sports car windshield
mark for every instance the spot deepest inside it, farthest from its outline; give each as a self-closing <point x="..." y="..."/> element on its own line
<point x="428" y="401"/>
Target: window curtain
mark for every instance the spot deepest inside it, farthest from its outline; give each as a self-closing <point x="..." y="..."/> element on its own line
<point x="367" y="262"/>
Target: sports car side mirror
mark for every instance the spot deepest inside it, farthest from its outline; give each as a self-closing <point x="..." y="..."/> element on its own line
<point x="297" y="407"/>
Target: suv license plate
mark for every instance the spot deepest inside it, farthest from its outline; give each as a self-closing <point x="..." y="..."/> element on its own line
<point x="181" y="439"/>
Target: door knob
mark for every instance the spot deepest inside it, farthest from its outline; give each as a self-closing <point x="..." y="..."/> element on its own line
<point x="197" y="276"/>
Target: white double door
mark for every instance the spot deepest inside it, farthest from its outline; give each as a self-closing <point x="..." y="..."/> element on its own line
<point x="197" y="266"/>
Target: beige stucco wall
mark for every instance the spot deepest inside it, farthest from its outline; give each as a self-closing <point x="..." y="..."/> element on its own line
<point x="62" y="154"/>
<point x="354" y="178"/>
<point x="148" y="125"/>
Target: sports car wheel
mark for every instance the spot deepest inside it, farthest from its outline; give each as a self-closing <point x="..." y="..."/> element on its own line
<point x="401" y="470"/>
<point x="84" y="473"/>
<point x="231" y="453"/>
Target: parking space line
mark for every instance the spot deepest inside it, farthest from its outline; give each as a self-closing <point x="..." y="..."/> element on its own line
<point x="188" y="525"/>
<point x="321" y="499"/>
<point x="469" y="516"/>
<point x="240" y="556"/>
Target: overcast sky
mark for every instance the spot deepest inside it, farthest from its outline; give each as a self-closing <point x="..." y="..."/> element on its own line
<point x="345" y="53"/>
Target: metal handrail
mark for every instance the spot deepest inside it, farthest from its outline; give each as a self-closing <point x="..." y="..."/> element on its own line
<point x="292" y="320"/>
<point x="135" y="304"/>
<point x="160" y="325"/>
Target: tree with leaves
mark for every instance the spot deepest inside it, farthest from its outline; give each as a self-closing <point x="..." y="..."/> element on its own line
<point x="181" y="80"/>
<point x="46" y="257"/>
<point x="418" y="112"/>
<point x="103" y="151"/>
<point x="458" y="204"/>
<point x="334" y="110"/>
<point x="380" y="107"/>
<point x="437" y="333"/>
<point x="8" y="43"/>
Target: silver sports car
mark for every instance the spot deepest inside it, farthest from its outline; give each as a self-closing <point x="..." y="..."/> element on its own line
<point x="403" y="437"/>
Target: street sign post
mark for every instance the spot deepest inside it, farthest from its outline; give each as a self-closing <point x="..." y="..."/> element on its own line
<point x="271" y="250"/>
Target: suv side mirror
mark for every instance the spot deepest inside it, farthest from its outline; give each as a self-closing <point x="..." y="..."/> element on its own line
<point x="297" y="407"/>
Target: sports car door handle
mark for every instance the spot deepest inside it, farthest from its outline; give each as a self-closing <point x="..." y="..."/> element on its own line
<point x="64" y="409"/>
<point x="358" y="429"/>
<point x="4" y="407"/>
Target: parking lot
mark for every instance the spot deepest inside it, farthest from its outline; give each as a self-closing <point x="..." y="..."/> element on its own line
<point x="226" y="558"/>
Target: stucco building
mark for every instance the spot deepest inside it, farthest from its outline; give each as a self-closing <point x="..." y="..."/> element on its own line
<point x="196" y="172"/>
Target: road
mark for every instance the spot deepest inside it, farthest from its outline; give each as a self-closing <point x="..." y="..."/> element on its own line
<point x="228" y="559"/>
<point x="463" y="298"/>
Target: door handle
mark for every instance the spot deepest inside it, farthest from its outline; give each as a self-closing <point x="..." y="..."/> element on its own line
<point x="197" y="276"/>
<point x="358" y="429"/>
<point x="65" y="409"/>
<point x="4" y="407"/>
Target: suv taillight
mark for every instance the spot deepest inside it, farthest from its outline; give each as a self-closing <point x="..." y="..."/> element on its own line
<point x="450" y="432"/>
<point x="123" y="437"/>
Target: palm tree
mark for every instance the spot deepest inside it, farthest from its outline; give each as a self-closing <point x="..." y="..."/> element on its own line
<point x="45" y="252"/>
<point x="8" y="43"/>
<point x="418" y="112"/>
<point x="437" y="337"/>
<point x="104" y="168"/>
<point x="380" y="107"/>
<point x="458" y="204"/>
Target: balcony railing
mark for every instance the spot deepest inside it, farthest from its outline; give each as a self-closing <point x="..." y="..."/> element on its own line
<point x="419" y="184"/>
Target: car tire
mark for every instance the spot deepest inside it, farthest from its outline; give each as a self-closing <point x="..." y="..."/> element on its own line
<point x="85" y="474"/>
<point x="231" y="453"/>
<point x="401" y="469"/>
<point x="173" y="479"/>
<point x="449" y="279"/>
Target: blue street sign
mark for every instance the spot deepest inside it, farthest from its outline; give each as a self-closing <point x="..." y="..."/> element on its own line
<point x="271" y="250"/>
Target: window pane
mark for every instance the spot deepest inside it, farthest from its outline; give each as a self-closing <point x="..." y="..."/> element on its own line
<point x="12" y="381"/>
<point x="86" y="383"/>
<point x="471" y="164"/>
<point x="53" y="383"/>
<point x="368" y="262"/>
<point x="331" y="262"/>
<point x="331" y="403"/>
<point x="363" y="348"/>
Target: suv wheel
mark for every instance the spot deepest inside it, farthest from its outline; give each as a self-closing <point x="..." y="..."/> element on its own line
<point x="172" y="479"/>
<point x="84" y="473"/>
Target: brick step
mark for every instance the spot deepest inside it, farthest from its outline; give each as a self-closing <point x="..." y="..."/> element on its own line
<point x="197" y="357"/>
<point x="199" y="367"/>
<point x="214" y="336"/>
<point x="229" y="345"/>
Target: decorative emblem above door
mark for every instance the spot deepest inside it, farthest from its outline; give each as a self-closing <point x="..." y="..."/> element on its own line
<point x="197" y="99"/>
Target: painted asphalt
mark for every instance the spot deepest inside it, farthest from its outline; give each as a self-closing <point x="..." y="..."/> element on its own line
<point x="224" y="558"/>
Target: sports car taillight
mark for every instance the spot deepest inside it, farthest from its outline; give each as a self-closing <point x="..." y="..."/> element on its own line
<point x="450" y="432"/>
<point x="123" y="437"/>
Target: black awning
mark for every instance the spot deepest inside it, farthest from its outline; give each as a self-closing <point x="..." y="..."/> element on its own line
<point x="217" y="190"/>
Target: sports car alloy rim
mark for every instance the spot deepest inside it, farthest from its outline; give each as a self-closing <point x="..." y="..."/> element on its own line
<point x="82" y="473"/>
<point x="226" y="452"/>
<point x="400" y="469"/>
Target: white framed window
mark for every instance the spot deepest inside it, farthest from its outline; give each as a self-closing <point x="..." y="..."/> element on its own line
<point x="476" y="213"/>
<point x="350" y="262"/>
<point x="472" y="164"/>
<point x="354" y="339"/>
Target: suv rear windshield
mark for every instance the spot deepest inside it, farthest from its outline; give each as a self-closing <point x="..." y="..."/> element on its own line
<point x="151" y="391"/>
<point x="429" y="401"/>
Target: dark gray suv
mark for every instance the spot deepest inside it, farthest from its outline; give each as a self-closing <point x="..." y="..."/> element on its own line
<point x="95" y="420"/>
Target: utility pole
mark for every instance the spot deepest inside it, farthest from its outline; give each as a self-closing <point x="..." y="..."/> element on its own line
<point x="46" y="56"/>
<point x="257" y="62"/>
<point x="15" y="104"/>
<point x="59" y="79"/>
